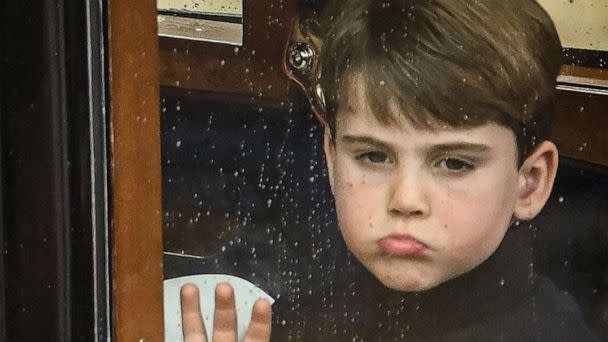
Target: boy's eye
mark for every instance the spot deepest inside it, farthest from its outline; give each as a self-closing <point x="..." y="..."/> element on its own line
<point x="374" y="157"/>
<point x="453" y="164"/>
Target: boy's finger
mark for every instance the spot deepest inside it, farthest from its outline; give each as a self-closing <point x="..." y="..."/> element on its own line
<point x="224" y="321"/>
<point x="192" y="321"/>
<point x="261" y="321"/>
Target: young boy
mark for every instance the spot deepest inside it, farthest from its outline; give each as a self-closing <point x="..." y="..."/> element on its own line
<point x="436" y="142"/>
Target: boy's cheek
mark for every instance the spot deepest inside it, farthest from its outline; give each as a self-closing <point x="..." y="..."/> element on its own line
<point x="466" y="230"/>
<point x="348" y="181"/>
<point x="357" y="204"/>
<point x="478" y="195"/>
<point x="351" y="200"/>
<point x="358" y="193"/>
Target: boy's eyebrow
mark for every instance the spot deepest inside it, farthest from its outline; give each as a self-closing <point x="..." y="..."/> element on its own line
<point x="459" y="146"/>
<point x="434" y="149"/>
<point x="363" y="139"/>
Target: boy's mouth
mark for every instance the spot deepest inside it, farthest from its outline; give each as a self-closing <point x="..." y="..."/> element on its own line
<point x="402" y="245"/>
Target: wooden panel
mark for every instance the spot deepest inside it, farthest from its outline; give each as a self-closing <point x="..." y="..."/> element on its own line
<point x="580" y="126"/>
<point x="580" y="123"/>
<point x="136" y="177"/>
<point x="253" y="69"/>
<point x="584" y="72"/>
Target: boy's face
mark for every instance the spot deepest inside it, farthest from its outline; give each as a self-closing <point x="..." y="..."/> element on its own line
<point x="419" y="207"/>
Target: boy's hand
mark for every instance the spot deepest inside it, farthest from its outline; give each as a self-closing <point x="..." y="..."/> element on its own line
<point x="224" y="322"/>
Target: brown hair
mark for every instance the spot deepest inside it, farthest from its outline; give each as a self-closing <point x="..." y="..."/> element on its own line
<point x="447" y="62"/>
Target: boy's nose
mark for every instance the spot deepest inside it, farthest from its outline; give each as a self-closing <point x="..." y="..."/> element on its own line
<point x="408" y="196"/>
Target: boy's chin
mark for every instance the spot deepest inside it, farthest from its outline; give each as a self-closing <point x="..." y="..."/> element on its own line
<point x="407" y="285"/>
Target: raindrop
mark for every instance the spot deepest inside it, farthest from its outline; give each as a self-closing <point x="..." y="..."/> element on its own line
<point x="582" y="147"/>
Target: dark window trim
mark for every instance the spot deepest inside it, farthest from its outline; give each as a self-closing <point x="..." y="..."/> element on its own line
<point x="54" y="170"/>
<point x="100" y="165"/>
<point x="2" y="223"/>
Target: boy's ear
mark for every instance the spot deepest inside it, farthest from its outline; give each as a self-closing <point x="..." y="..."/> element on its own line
<point x="536" y="177"/>
<point x="330" y="152"/>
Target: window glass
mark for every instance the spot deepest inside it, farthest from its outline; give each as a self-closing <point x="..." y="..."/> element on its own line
<point x="246" y="193"/>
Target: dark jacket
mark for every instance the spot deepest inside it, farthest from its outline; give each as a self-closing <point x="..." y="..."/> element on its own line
<point x="503" y="299"/>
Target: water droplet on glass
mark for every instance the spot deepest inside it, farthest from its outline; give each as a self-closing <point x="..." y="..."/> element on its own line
<point x="582" y="147"/>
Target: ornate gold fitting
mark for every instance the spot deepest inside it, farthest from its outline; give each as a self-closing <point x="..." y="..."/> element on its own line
<point x="300" y="64"/>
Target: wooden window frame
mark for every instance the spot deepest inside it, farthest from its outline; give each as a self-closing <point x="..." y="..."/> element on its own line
<point x="137" y="280"/>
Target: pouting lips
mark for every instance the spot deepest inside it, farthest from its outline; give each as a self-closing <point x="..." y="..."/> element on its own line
<point x="402" y="245"/>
